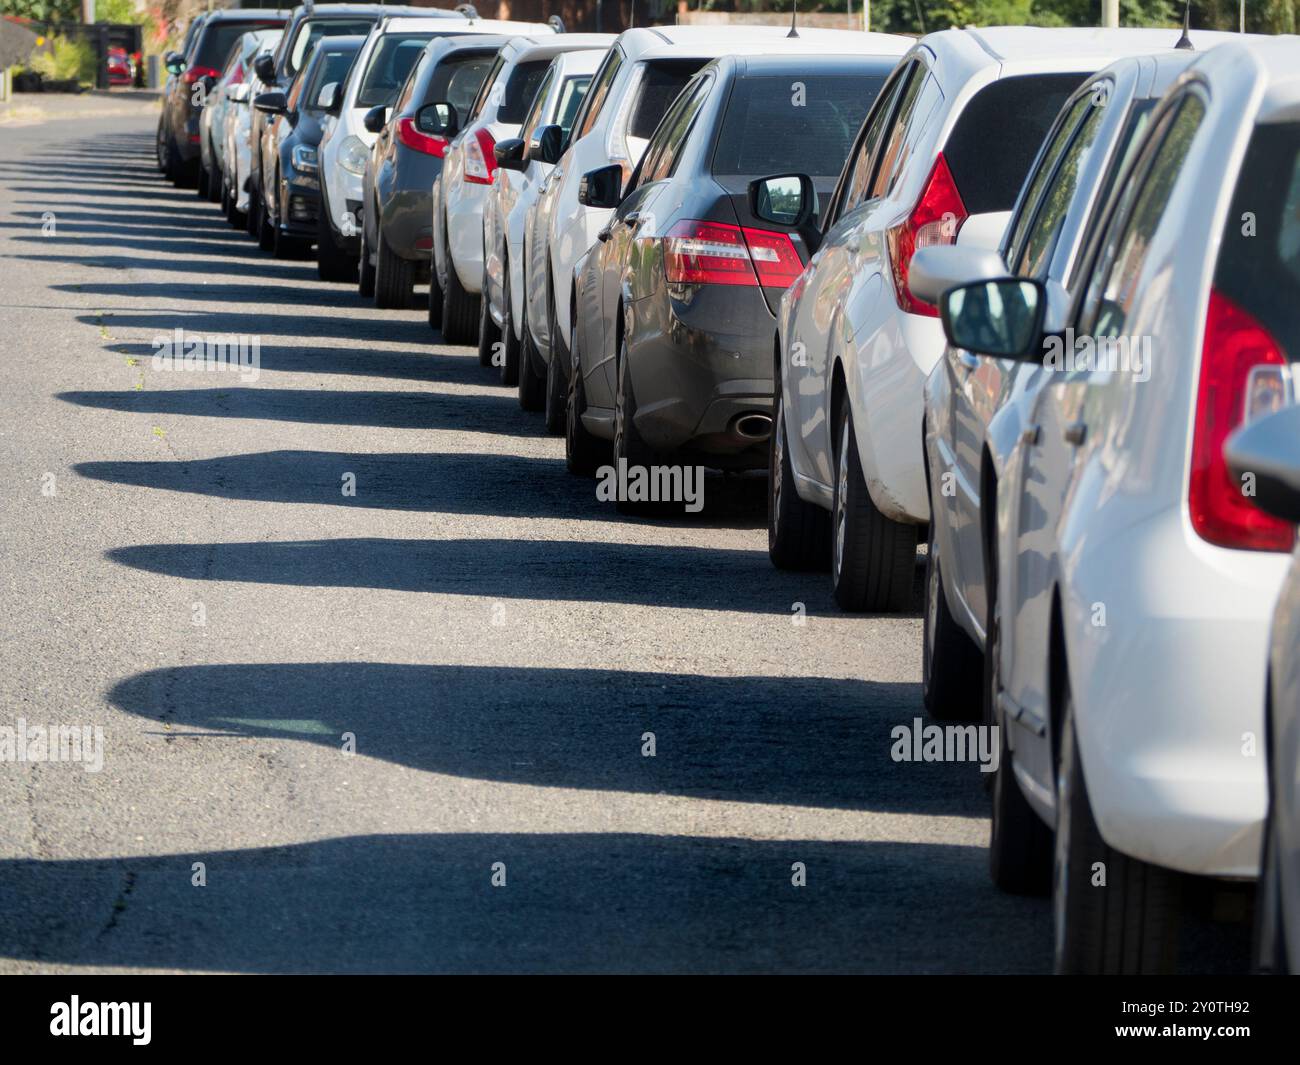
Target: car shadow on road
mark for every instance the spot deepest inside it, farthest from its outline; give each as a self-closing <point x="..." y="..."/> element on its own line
<point x="365" y="324"/>
<point x="804" y="741"/>
<point x="571" y="902"/>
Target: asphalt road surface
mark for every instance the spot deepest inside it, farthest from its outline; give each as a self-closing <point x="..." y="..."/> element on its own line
<point x="181" y="567"/>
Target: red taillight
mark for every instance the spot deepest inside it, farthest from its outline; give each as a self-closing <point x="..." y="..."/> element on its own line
<point x="194" y="73"/>
<point x="713" y="253"/>
<point x="936" y="219"/>
<point x="1244" y="374"/>
<point x="480" y="159"/>
<point x="238" y="77"/>
<point x="421" y="142"/>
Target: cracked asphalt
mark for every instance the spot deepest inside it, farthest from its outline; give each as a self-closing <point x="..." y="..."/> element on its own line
<point x="181" y="567"/>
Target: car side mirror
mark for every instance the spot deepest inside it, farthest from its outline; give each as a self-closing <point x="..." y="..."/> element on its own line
<point x="271" y="103"/>
<point x="325" y="99"/>
<point x="547" y="145"/>
<point x="1264" y="454"/>
<point x="238" y="93"/>
<point x="438" y="119"/>
<point x="934" y="270"/>
<point x="376" y="119"/>
<point x="1002" y="318"/>
<point x="264" y="68"/>
<point x="510" y="154"/>
<point x="174" y="62"/>
<point x="602" y="187"/>
<point x="787" y="200"/>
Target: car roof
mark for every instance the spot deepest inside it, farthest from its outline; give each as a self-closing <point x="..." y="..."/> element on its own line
<point x="348" y="40"/>
<point x="412" y="24"/>
<point x="1273" y="62"/>
<point x="246" y="14"/>
<point x="709" y="41"/>
<point x="378" y="11"/>
<point x="766" y="64"/>
<point x="485" y="42"/>
<point x="544" y="46"/>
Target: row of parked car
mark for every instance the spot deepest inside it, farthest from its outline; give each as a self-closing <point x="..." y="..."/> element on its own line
<point x="1025" y="295"/>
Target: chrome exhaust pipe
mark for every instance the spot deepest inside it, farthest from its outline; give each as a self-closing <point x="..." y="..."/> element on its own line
<point x="753" y="426"/>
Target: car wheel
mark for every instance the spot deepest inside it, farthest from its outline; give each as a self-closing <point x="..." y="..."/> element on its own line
<point x="205" y="178"/>
<point x="365" y="268"/>
<point x="556" y="391"/>
<point x="952" y="668"/>
<point x="584" y="452"/>
<point x="532" y="385"/>
<point x="160" y="147"/>
<point x="873" y="559"/>
<point x="173" y="169"/>
<point x="253" y="216"/>
<point x="460" y="310"/>
<point x="214" y="184"/>
<point x="798" y="532"/>
<point x="510" y="352"/>
<point x="489" y="334"/>
<point x="394" y="276"/>
<point x="266" y="229"/>
<point x="332" y="262"/>
<point x="234" y="215"/>
<point x="1111" y="913"/>
<point x="1269" y="951"/>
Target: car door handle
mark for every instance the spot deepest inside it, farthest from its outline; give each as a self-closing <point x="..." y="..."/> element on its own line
<point x="971" y="362"/>
<point x="632" y="219"/>
<point x="1075" y="433"/>
<point x="604" y="234"/>
<point x="1029" y="435"/>
<point x="853" y="242"/>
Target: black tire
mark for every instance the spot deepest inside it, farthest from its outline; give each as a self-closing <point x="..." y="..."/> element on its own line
<point x="266" y="229"/>
<point x="873" y="559"/>
<point x="952" y="668"/>
<point x="394" y="276"/>
<point x="435" y="297"/>
<point x="173" y="169"/>
<point x="286" y="247"/>
<point x="460" y="310"/>
<point x="532" y="385"/>
<point x="365" y="269"/>
<point x="584" y="452"/>
<point x="214" y="184"/>
<point x="253" y="216"/>
<point x="490" y="335"/>
<point x="332" y="262"/>
<point x="160" y="147"/>
<point x="1268" y="951"/>
<point x="1129" y="925"/>
<point x="511" y="352"/>
<point x="798" y="532"/>
<point x="234" y="215"/>
<point x="201" y="185"/>
<point x="557" y="390"/>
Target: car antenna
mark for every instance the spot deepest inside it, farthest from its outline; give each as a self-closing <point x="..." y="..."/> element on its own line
<point x="794" y="11"/>
<point x="1185" y="42"/>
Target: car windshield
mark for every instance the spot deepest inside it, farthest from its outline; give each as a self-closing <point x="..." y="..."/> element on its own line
<point x="767" y="129"/>
<point x="392" y="59"/>
<point x="312" y="30"/>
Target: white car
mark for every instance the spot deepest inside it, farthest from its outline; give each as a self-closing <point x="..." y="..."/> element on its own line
<point x="1134" y="577"/>
<point x="513" y="191"/>
<point x="469" y="167"/>
<point x="376" y="77"/>
<point x="940" y="160"/>
<point x="637" y="82"/>
<point x="237" y="125"/>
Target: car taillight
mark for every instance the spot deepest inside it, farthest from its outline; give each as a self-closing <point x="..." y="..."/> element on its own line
<point x="713" y="253"/>
<point x="237" y="78"/>
<point x="936" y="218"/>
<point x="194" y="73"/>
<point x="421" y="142"/>
<point x="1244" y="375"/>
<point x="480" y="160"/>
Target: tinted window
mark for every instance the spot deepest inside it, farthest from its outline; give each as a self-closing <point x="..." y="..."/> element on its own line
<point x="665" y="147"/>
<point x="770" y="126"/>
<point x="1041" y="174"/>
<point x="891" y="148"/>
<point x="485" y="90"/>
<point x="458" y="78"/>
<point x="661" y="82"/>
<point x="521" y="87"/>
<point x="333" y="65"/>
<point x="998" y="136"/>
<point x="855" y="186"/>
<point x="600" y="90"/>
<point x="1259" y="259"/>
<point x="220" y="37"/>
<point x="572" y="93"/>
<point x="390" y="62"/>
<point x="1124" y="249"/>
<point x="311" y="31"/>
<point x="534" y="116"/>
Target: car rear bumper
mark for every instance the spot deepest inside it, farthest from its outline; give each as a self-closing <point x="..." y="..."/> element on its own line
<point x="407" y="221"/>
<point x="701" y="369"/>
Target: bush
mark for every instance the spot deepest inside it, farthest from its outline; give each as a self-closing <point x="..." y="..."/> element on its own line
<point x="65" y="60"/>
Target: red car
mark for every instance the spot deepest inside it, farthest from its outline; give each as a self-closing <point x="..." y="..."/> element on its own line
<point x="121" y="70"/>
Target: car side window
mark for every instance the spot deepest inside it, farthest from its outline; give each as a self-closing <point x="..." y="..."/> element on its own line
<point x="1124" y="246"/>
<point x="404" y="97"/>
<point x="598" y="93"/>
<point x="892" y="150"/>
<point x="535" y="110"/>
<point x="857" y="181"/>
<point x="484" y="91"/>
<point x="672" y="132"/>
<point x="1043" y="233"/>
<point x="1041" y="175"/>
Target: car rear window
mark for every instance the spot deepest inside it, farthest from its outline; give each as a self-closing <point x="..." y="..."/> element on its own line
<point x="661" y="82"/>
<point x="392" y="59"/>
<point x="521" y="87"/>
<point x="998" y="135"/>
<point x="458" y="78"/>
<point x="1259" y="257"/>
<point x="312" y="30"/>
<point x="219" y="37"/>
<point x="767" y="129"/>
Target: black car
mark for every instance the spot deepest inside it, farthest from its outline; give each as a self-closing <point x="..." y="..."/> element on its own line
<point x="291" y="198"/>
<point x="407" y="159"/>
<point x="675" y="322"/>
<point x="192" y="75"/>
<point x="307" y="25"/>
